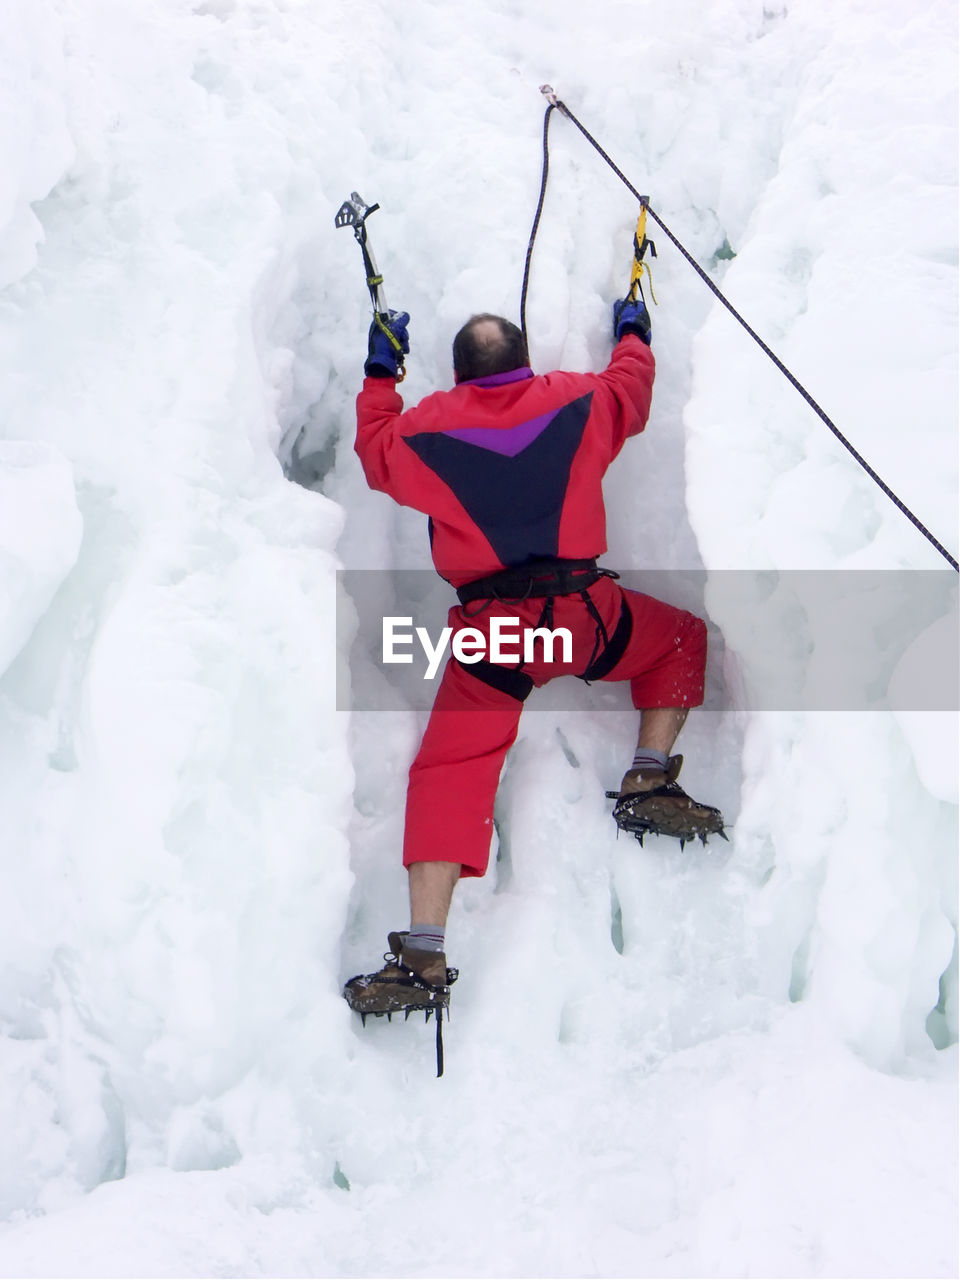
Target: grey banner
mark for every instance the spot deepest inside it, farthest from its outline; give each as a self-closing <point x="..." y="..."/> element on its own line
<point x="862" y="640"/>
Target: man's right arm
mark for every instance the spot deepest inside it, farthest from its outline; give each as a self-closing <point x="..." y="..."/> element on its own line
<point x="386" y="463"/>
<point x="379" y="407"/>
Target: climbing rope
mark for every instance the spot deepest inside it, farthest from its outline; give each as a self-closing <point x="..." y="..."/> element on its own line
<point x="555" y="104"/>
<point x="544" y="170"/>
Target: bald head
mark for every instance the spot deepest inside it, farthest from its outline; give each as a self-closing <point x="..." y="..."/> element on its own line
<point x="486" y="345"/>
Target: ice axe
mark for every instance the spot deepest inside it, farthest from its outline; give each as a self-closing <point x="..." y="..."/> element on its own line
<point x="640" y="246"/>
<point x="354" y="213"/>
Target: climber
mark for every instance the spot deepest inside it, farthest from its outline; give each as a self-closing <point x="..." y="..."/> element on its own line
<point x="508" y="467"/>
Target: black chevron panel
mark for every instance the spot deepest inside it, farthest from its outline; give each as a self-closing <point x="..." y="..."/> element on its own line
<point x="516" y="502"/>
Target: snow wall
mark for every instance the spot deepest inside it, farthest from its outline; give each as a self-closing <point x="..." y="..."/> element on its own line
<point x="737" y="1063"/>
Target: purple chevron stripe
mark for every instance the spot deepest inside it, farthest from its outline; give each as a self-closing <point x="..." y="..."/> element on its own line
<point x="506" y="440"/>
<point x="498" y="379"/>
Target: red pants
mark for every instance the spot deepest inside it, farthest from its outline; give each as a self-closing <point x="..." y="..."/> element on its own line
<point x="454" y="778"/>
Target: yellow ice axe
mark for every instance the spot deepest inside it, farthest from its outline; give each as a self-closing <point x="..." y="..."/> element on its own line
<point x="640" y="246"/>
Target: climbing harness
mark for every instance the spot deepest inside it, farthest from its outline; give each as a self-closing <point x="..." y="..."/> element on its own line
<point x="554" y="103"/>
<point x="545" y="580"/>
<point x="354" y="213"/>
<point x="537" y="579"/>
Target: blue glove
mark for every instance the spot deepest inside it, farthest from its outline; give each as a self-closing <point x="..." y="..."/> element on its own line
<point x="387" y="344"/>
<point x="631" y="317"/>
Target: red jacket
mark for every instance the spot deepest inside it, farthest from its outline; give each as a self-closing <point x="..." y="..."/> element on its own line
<point x="508" y="468"/>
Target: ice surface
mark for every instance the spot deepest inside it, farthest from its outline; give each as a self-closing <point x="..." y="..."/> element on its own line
<point x="40" y="531"/>
<point x="738" y="1063"/>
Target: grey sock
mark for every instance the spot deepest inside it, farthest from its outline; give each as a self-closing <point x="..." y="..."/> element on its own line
<point x="647" y="758"/>
<point x="425" y="937"/>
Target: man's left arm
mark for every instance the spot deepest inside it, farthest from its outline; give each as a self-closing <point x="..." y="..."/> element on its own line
<point x="629" y="376"/>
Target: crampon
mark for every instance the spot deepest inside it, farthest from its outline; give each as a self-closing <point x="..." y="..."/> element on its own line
<point x="666" y="810"/>
<point x="397" y="988"/>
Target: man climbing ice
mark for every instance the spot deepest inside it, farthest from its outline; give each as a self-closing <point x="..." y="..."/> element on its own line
<point x="508" y="467"/>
